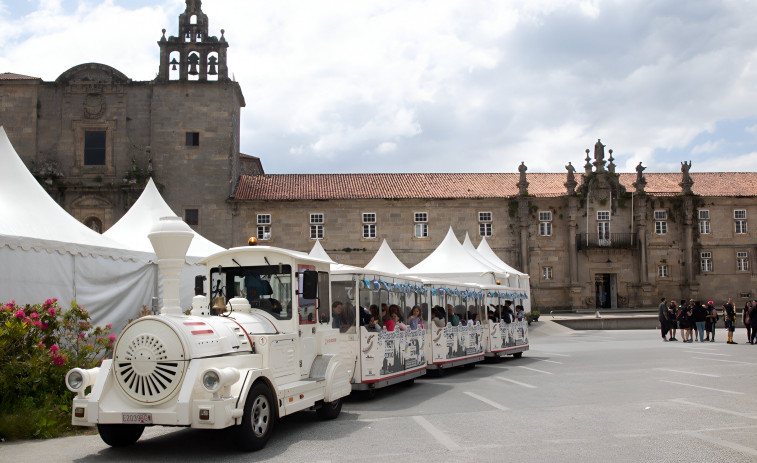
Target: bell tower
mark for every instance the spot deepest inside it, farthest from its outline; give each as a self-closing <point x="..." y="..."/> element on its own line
<point x="193" y="55"/>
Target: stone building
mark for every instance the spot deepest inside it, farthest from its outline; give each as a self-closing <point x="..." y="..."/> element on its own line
<point x="93" y="136"/>
<point x="588" y="239"/>
<point x="594" y="239"/>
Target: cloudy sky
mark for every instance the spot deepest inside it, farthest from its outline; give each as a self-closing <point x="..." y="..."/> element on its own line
<point x="444" y="85"/>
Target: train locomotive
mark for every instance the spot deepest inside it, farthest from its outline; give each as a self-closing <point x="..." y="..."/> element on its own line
<point x="240" y="360"/>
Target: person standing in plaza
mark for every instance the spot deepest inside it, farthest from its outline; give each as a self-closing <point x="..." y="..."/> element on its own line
<point x="753" y="320"/>
<point x="663" y="318"/>
<point x="700" y="316"/>
<point x="746" y="320"/>
<point x="729" y="313"/>
<point x="711" y="321"/>
<point x="672" y="320"/>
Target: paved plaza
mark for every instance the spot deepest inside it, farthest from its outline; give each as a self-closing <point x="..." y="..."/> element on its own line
<point x="604" y="396"/>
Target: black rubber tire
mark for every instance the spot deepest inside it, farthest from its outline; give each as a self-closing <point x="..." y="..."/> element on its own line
<point x="409" y="382"/>
<point x="518" y="355"/>
<point x="470" y="366"/>
<point x="258" y="419"/>
<point x="120" y="435"/>
<point x="329" y="410"/>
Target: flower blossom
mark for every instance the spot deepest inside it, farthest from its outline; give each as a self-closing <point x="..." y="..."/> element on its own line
<point x="19" y="314"/>
<point x="34" y="315"/>
<point x="51" y="311"/>
<point x="54" y="348"/>
<point x="112" y="337"/>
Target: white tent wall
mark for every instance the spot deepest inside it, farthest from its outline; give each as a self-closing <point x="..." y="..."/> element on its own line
<point x="47" y="253"/>
<point x="112" y="291"/>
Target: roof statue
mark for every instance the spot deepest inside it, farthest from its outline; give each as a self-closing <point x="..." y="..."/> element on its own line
<point x="686" y="181"/>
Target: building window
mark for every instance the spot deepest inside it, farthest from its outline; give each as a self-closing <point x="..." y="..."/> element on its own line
<point x="316" y="232"/>
<point x="264" y="227"/>
<point x="485" y="223"/>
<point x="316" y="218"/>
<point x="706" y="261"/>
<point x="546" y="273"/>
<point x="193" y="138"/>
<point x="369" y="225"/>
<point x="704" y="227"/>
<point x="662" y="271"/>
<point x="603" y="228"/>
<point x="739" y="217"/>
<point x="264" y="219"/>
<point x="545" y="223"/>
<point x="420" y="228"/>
<point x="369" y="230"/>
<point x="603" y="216"/>
<point x="192" y="216"/>
<point x="742" y="261"/>
<point x="94" y="147"/>
<point x="704" y="222"/>
<point x="661" y="222"/>
<point x="264" y="232"/>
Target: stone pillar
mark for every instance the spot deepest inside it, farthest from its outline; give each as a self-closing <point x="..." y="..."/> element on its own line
<point x="689" y="262"/>
<point x="523" y="224"/>
<point x="573" y="248"/>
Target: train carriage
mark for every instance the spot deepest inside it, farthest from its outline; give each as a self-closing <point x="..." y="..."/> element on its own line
<point x="457" y="335"/>
<point x="364" y="299"/>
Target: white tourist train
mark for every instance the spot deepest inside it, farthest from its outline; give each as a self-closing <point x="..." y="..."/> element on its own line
<point x="272" y="332"/>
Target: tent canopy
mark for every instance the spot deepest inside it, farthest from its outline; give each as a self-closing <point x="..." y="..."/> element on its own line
<point x="132" y="229"/>
<point x="31" y="219"/>
<point x="486" y="251"/>
<point x="450" y="260"/>
<point x="386" y="261"/>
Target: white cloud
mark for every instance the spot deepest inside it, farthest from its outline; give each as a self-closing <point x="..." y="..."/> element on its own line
<point x="447" y="85"/>
<point x="707" y="147"/>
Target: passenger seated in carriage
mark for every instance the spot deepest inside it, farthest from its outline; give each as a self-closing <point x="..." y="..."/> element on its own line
<point x="415" y="319"/>
<point x="437" y="316"/>
<point x="347" y="319"/>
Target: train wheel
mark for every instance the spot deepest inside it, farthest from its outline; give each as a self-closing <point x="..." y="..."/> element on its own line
<point x="120" y="435"/>
<point x="258" y="419"/>
<point x="518" y="355"/>
<point x="329" y="410"/>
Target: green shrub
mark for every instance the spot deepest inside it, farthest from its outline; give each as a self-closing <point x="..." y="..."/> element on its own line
<point x="533" y="315"/>
<point x="38" y="345"/>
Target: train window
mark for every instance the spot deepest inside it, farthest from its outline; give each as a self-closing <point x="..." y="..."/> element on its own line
<point x="266" y="287"/>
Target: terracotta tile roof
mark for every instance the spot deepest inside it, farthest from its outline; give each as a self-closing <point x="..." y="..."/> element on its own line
<point x="14" y="76"/>
<point x="292" y="187"/>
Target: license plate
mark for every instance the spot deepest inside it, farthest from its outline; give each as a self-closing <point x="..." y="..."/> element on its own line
<point x="136" y="418"/>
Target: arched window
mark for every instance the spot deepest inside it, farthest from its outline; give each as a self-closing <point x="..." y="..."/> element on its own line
<point x="174" y="61"/>
<point x="193" y="66"/>
<point x="212" y="66"/>
<point x="193" y="19"/>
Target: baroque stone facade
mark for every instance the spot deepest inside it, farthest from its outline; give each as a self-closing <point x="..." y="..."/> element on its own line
<point x="597" y="238"/>
<point x="93" y="136"/>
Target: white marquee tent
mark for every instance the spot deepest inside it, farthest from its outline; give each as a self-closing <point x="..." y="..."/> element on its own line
<point x="320" y="253"/>
<point x="386" y="261"/>
<point x="47" y="253"/>
<point x="451" y="261"/>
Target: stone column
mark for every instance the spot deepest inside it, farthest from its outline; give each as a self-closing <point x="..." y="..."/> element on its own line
<point x="523" y="225"/>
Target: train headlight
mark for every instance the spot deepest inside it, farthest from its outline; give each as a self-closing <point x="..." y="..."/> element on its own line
<point x="78" y="379"/>
<point x="211" y="381"/>
<point x="215" y="380"/>
<point x="74" y="380"/>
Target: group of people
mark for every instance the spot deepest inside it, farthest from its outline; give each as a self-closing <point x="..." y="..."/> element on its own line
<point x="391" y="316"/>
<point x="697" y="321"/>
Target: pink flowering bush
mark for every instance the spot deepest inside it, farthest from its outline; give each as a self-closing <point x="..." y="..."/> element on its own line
<point x="38" y="344"/>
